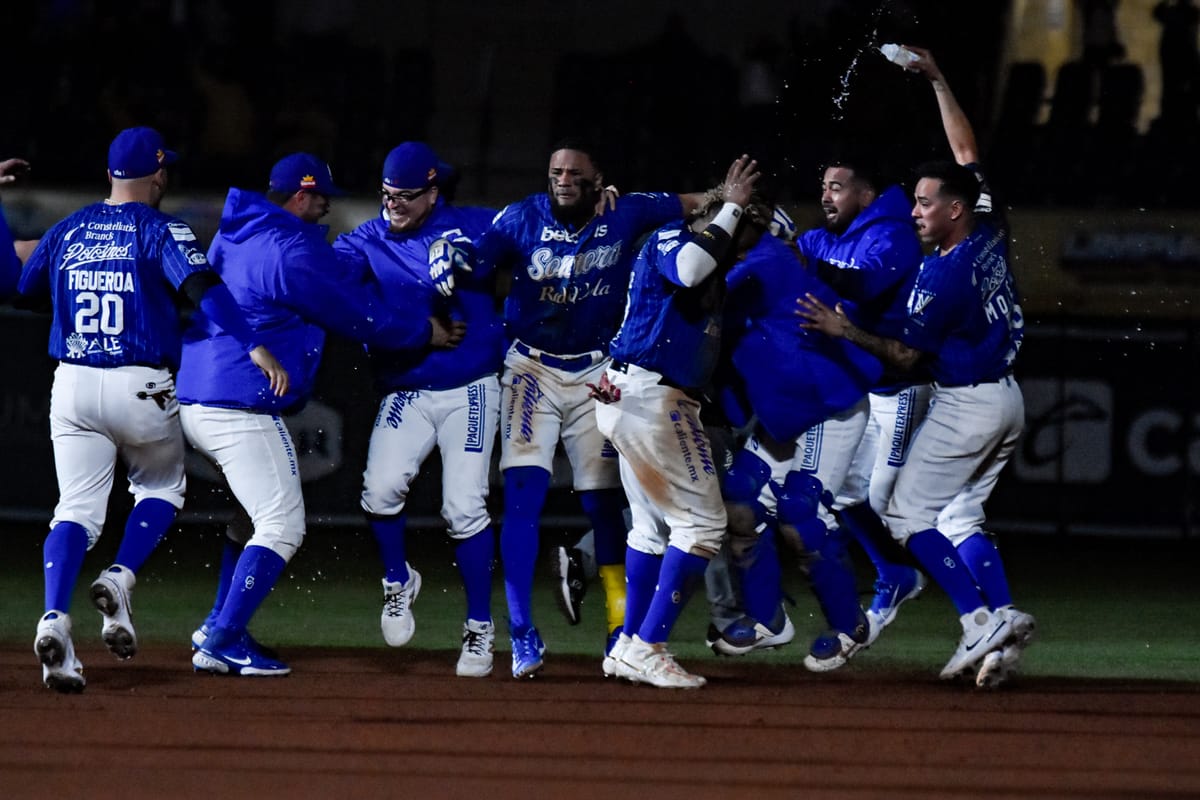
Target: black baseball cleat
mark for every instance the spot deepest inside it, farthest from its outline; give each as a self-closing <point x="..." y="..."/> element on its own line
<point x="571" y="582"/>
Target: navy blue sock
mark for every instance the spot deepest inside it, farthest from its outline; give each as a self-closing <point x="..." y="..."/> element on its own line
<point x="474" y="557"/>
<point x="761" y="579"/>
<point x="680" y="574"/>
<point x="148" y="523"/>
<point x="942" y="562"/>
<point x="257" y="570"/>
<point x="641" y="579"/>
<point x="231" y="551"/>
<point x="524" y="495"/>
<point x="866" y="528"/>
<point x="605" y="508"/>
<point x="980" y="555"/>
<point x="389" y="535"/>
<point x="62" y="559"/>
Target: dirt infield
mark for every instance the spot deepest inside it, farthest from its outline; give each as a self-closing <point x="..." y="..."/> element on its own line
<point x="399" y="724"/>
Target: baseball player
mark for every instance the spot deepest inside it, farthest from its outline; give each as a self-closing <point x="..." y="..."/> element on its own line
<point x="868" y="252"/>
<point x="273" y="255"/>
<point x="808" y="398"/>
<point x="965" y="321"/>
<point x="569" y="268"/>
<point x="432" y="397"/>
<point x="649" y="401"/>
<point x="113" y="271"/>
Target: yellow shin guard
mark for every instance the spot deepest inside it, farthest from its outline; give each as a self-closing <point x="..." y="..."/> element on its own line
<point x="613" y="578"/>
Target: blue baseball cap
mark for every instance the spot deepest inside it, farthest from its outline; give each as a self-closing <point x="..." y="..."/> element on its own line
<point x="303" y="172"/>
<point x="412" y="165"/>
<point x="138" y="152"/>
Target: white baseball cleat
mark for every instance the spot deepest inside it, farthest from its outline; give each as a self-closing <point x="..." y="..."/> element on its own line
<point x="61" y="670"/>
<point x="396" y="620"/>
<point x="653" y="664"/>
<point x="478" y="650"/>
<point x="609" y="664"/>
<point x="984" y="630"/>
<point x="999" y="666"/>
<point x="110" y="595"/>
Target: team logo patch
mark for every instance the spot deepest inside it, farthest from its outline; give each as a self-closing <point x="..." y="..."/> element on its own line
<point x="920" y="299"/>
<point x="181" y="232"/>
<point x="76" y="345"/>
<point x="308" y="182"/>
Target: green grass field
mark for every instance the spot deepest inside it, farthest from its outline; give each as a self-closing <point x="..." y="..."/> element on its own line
<point x="1106" y="608"/>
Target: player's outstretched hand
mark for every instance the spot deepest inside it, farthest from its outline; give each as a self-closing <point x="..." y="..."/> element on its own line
<point x="817" y="316"/>
<point x="12" y="168"/>
<point x="447" y="333"/>
<point x="608" y="200"/>
<point x="444" y="258"/>
<point x="739" y="180"/>
<point x="604" y="391"/>
<point x="265" y="360"/>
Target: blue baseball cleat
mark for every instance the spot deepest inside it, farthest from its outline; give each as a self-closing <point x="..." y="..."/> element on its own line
<point x="747" y="634"/>
<point x="832" y="649"/>
<point x="239" y="657"/>
<point x="527" y="651"/>
<point x="897" y="588"/>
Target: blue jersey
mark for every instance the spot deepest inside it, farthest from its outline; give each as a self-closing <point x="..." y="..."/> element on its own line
<point x="876" y="261"/>
<point x="292" y="287"/>
<point x="964" y="311"/>
<point x="792" y="378"/>
<point x="10" y="265"/>
<point x="670" y="328"/>
<point x="568" y="286"/>
<point x="872" y="265"/>
<point x="399" y="263"/>
<point x="112" y="271"/>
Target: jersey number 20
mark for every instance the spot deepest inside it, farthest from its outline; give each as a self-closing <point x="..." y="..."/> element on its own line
<point x="103" y="313"/>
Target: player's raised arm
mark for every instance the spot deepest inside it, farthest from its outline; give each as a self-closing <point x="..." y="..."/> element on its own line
<point x="959" y="132"/>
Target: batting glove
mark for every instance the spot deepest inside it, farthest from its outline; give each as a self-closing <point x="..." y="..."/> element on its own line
<point x="444" y="258"/>
<point x="782" y="226"/>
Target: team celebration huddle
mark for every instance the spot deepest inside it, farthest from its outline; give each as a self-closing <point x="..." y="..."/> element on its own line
<point x="733" y="395"/>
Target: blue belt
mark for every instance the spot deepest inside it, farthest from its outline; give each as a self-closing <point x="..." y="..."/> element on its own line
<point x="565" y="363"/>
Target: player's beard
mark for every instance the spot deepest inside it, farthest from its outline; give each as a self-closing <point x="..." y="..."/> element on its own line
<point x="578" y="212"/>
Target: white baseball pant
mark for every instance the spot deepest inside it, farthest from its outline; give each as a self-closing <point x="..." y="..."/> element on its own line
<point x="956" y="458"/>
<point x="256" y="455"/>
<point x="462" y="424"/>
<point x="98" y="415"/>
<point x="666" y="464"/>
<point x="884" y="447"/>
<point x="825" y="450"/>
<point x="542" y="404"/>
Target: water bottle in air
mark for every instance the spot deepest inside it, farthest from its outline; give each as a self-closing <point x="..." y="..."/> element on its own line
<point x="898" y="54"/>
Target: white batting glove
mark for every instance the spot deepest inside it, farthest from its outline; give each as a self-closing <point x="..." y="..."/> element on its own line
<point x="444" y="258"/>
<point x="782" y="226"/>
